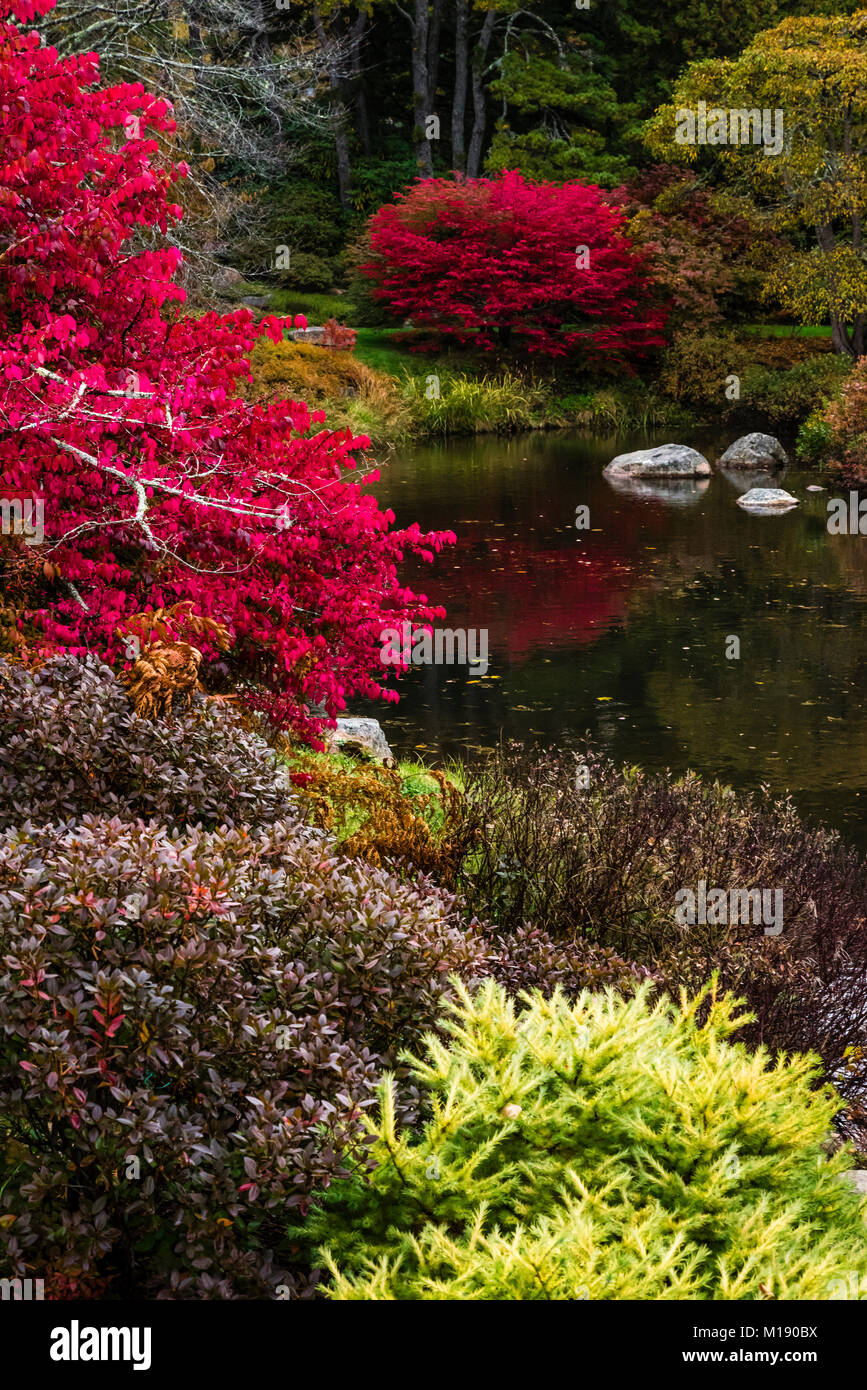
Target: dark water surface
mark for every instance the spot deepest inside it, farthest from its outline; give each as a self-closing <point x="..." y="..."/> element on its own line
<point x="620" y="631"/>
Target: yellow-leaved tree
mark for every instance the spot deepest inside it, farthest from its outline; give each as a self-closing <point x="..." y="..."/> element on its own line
<point x="788" y="118"/>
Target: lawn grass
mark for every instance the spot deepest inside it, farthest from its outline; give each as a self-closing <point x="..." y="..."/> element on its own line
<point x="316" y="308"/>
<point x="788" y="330"/>
<point x="377" y="348"/>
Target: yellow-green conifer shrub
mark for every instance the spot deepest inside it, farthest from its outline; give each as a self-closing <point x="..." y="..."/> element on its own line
<point x="611" y="1149"/>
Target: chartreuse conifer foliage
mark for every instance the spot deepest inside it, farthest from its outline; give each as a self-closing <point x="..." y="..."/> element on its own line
<point x="611" y="1149"/>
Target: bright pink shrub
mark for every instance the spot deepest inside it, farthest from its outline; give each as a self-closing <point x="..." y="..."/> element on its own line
<point x="160" y="484"/>
<point x="506" y="262"/>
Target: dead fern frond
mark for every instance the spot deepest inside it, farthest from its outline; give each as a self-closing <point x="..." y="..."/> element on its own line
<point x="163" y="670"/>
<point x="175" y="624"/>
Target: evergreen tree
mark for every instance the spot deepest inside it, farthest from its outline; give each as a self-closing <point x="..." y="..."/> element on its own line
<point x="614" y="1149"/>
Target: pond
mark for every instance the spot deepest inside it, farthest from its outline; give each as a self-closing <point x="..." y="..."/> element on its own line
<point x="621" y="631"/>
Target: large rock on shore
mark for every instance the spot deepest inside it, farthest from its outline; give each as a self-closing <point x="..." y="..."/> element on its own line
<point x="314" y="335"/>
<point x="356" y="735"/>
<point x="767" y="499"/>
<point x="665" y="461"/>
<point x="756" y="451"/>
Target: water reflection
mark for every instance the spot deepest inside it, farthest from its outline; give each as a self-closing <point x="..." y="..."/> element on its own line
<point x="675" y="492"/>
<point x="620" y="630"/>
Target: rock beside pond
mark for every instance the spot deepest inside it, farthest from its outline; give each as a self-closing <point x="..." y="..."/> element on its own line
<point x="356" y="735"/>
<point x="755" y="451"/>
<point x="665" y="461"/>
<point x="767" y="499"/>
<point x="314" y="335"/>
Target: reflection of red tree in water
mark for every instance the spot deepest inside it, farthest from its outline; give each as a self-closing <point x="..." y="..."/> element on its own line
<point x="533" y="596"/>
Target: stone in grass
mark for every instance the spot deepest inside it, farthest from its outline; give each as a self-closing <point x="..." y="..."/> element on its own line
<point x="226" y="277"/>
<point x="314" y="335"/>
<point x="356" y="735"/>
<point x="755" y="451"/>
<point x="665" y="461"/>
<point x="767" y="499"/>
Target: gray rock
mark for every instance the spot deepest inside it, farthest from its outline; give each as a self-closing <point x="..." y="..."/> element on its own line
<point x="755" y="451"/>
<point x="225" y="277"/>
<point x="316" y="336"/>
<point x="767" y="499"/>
<point x="858" y="1177"/>
<point x="257" y="301"/>
<point x="665" y="461"/>
<point x="364" y="736"/>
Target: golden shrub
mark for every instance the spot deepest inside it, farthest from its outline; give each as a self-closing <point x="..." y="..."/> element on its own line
<point x="369" y="808"/>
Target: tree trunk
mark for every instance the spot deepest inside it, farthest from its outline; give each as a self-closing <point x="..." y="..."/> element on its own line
<point x="433" y="52"/>
<point x="839" y="333"/>
<point x="341" y="135"/>
<point x="459" y="100"/>
<point x="360" y="95"/>
<point x="480" y="53"/>
<point x="420" y="84"/>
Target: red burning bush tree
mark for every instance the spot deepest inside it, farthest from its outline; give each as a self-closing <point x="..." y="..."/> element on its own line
<point x="161" y="487"/>
<point x="506" y="263"/>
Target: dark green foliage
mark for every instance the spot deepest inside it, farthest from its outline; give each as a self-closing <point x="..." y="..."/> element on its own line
<point x="557" y="116"/>
<point x="787" y="397"/>
<point x="606" y="1150"/>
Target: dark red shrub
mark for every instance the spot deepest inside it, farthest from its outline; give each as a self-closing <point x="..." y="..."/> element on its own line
<point x="603" y="863"/>
<point x="508" y="263"/>
<point x="72" y="744"/>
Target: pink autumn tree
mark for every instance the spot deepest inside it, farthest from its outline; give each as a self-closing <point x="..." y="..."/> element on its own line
<point x="506" y="263"/>
<point x="162" y="487"/>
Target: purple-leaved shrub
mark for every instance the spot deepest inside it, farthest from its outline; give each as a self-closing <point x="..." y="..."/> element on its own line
<point x="71" y="744"/>
<point x="190" y="1026"/>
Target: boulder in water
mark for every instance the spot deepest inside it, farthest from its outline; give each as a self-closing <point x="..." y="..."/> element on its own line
<point x="755" y="451"/>
<point x="767" y="499"/>
<point x="665" y="461"/>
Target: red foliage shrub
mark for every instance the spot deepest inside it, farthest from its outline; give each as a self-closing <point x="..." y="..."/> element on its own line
<point x="704" y="248"/>
<point x="506" y="263"/>
<point x="160" y="484"/>
<point x="338" y="336"/>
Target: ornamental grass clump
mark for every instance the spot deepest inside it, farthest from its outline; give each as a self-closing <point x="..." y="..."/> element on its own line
<point x="607" y="1149"/>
